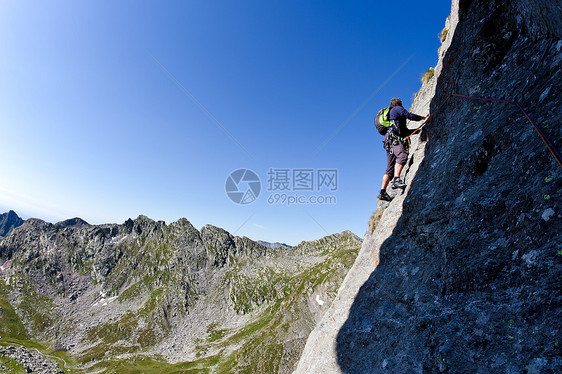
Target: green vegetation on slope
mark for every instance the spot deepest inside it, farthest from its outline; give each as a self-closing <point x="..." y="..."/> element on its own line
<point x="262" y="348"/>
<point x="427" y="75"/>
<point x="10" y="323"/>
<point x="126" y="330"/>
<point x="279" y="301"/>
<point x="153" y="277"/>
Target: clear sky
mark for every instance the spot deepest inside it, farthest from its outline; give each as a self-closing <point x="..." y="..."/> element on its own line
<point x="111" y="109"/>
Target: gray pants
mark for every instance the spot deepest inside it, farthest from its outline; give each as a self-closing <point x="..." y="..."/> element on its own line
<point x="397" y="156"/>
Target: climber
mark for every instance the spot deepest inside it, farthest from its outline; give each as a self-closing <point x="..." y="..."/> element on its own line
<point x="396" y="150"/>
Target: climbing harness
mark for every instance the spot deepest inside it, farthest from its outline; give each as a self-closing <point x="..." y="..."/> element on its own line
<point x="393" y="139"/>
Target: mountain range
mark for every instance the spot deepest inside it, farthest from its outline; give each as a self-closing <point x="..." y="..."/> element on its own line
<point x="161" y="297"/>
<point x="274" y="245"/>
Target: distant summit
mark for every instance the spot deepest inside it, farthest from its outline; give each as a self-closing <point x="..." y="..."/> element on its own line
<point x="274" y="245"/>
<point x="72" y="222"/>
<point x="9" y="221"/>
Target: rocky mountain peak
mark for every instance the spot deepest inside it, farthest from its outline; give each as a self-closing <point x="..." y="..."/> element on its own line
<point x="143" y="224"/>
<point x="248" y="247"/>
<point x="9" y="221"/>
<point x="72" y="222"/>
<point x="33" y="225"/>
<point x="182" y="222"/>
<point x="219" y="244"/>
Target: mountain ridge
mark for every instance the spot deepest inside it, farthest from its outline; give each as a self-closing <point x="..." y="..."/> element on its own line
<point x="171" y="294"/>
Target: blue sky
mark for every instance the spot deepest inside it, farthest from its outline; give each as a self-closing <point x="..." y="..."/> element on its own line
<point x="110" y="109"/>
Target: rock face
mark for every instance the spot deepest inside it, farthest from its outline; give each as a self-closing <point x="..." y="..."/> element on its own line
<point x="9" y="221"/>
<point x="461" y="273"/>
<point x="171" y="294"/>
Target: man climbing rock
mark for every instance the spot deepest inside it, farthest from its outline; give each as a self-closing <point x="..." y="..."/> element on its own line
<point x="394" y="144"/>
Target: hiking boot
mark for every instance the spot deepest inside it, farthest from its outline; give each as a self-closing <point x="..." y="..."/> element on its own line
<point x="397" y="183"/>
<point x="384" y="196"/>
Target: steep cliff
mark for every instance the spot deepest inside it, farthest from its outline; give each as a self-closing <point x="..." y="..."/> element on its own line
<point x="461" y="272"/>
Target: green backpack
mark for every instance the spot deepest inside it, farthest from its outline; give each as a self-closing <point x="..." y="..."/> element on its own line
<point x="382" y="120"/>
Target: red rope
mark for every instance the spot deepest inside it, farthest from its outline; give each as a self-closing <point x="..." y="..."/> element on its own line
<point x="555" y="153"/>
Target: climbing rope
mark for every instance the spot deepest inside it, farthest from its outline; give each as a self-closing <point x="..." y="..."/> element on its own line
<point x="555" y="153"/>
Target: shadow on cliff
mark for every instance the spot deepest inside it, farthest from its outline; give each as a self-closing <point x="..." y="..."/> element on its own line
<point x="386" y="306"/>
<point x="385" y="309"/>
<point x="469" y="279"/>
